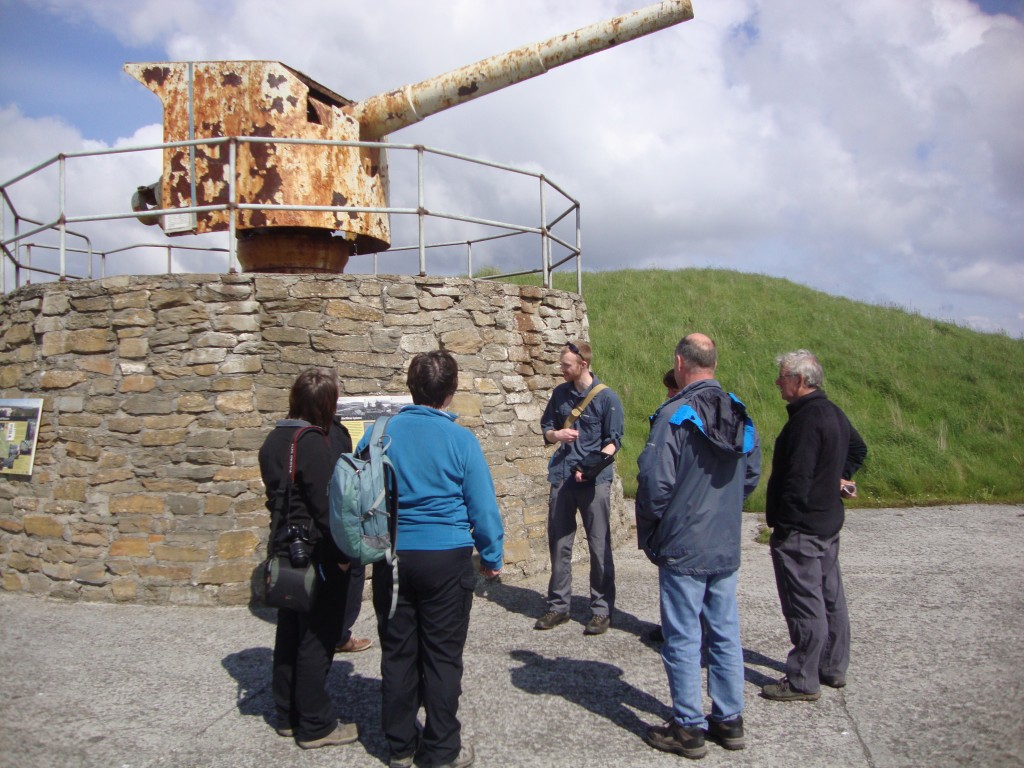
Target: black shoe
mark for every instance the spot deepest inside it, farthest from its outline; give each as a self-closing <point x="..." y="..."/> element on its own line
<point x="832" y="681"/>
<point x="783" y="691"/>
<point x="597" y="625"/>
<point x="727" y="733"/>
<point x="551" y="619"/>
<point x="674" y="738"/>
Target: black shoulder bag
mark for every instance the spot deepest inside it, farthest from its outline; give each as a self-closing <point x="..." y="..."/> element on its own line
<point x="289" y="573"/>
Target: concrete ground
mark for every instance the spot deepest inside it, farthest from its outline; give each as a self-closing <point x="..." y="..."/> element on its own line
<point x="937" y="678"/>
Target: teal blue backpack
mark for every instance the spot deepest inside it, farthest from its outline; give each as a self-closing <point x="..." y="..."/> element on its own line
<point x="363" y="496"/>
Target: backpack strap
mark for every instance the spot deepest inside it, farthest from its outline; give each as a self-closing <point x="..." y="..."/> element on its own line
<point x="377" y="445"/>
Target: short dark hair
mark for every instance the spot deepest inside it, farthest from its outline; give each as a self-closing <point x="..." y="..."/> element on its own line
<point x="668" y="381"/>
<point x="314" y="397"/>
<point x="433" y="377"/>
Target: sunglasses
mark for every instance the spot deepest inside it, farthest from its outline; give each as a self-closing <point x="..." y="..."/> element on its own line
<point x="572" y="348"/>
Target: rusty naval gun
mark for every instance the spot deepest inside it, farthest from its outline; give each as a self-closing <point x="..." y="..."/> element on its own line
<point x="273" y="105"/>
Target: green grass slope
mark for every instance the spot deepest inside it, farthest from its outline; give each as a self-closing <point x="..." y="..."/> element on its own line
<point x="941" y="407"/>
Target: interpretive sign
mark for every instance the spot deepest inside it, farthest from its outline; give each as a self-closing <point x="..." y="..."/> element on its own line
<point x="359" y="413"/>
<point x="19" y="427"/>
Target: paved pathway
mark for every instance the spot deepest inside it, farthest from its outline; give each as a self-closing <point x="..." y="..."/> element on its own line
<point x="936" y="598"/>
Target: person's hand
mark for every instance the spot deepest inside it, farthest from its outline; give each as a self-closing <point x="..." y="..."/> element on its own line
<point x="344" y="567"/>
<point x="566" y="435"/>
<point x="490" y="575"/>
<point x="847" y="488"/>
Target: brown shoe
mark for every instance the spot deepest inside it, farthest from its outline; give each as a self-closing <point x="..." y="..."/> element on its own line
<point x="344" y="733"/>
<point x="597" y="625"/>
<point x="354" y="645"/>
<point x="784" y="691"/>
<point x="551" y="619"/>
<point x="672" y="737"/>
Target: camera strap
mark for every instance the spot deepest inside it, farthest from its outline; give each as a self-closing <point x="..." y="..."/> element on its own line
<point x="282" y="499"/>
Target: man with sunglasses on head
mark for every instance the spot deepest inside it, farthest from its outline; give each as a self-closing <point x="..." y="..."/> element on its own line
<point x="584" y="419"/>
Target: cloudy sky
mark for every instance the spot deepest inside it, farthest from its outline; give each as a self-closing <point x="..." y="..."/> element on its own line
<point x="869" y="149"/>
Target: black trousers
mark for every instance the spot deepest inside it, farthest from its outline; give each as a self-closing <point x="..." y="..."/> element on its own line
<point x="353" y="599"/>
<point x="421" y="649"/>
<point x="303" y="651"/>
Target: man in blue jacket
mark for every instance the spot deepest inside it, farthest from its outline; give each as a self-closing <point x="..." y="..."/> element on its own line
<point x="703" y="458"/>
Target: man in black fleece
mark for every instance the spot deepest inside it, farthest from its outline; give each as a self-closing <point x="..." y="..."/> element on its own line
<point x="816" y="454"/>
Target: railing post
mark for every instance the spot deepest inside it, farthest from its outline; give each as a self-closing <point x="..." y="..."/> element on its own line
<point x="3" y="256"/>
<point x="469" y="258"/>
<point x="232" y="205"/>
<point x="579" y="254"/>
<point x="545" y="254"/>
<point x="62" y="202"/>
<point x="421" y="210"/>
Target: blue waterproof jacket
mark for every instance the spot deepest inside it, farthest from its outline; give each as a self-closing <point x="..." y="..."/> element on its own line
<point x="703" y="458"/>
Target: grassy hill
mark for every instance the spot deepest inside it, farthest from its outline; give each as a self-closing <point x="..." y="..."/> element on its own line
<point x="940" y="407"/>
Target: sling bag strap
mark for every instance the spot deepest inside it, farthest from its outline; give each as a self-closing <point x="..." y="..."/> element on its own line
<point x="578" y="410"/>
<point x="279" y="512"/>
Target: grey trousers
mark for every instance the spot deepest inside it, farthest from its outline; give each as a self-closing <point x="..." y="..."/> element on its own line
<point x="594" y="504"/>
<point x="810" y="588"/>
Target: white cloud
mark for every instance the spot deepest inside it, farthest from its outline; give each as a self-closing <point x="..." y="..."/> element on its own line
<point x="870" y="149"/>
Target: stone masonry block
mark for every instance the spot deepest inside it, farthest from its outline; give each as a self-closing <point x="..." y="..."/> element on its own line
<point x="130" y="547"/>
<point x="163" y="552"/>
<point x="234" y="544"/>
<point x="42" y="525"/>
<point x="60" y="379"/>
<point x="226" y="573"/>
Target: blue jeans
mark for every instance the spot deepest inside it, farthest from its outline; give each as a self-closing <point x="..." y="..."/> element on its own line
<point x="683" y="599"/>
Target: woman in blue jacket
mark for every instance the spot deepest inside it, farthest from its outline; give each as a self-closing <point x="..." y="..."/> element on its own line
<point x="446" y="505"/>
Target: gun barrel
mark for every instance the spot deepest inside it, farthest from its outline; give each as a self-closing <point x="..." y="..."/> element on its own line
<point x="388" y="112"/>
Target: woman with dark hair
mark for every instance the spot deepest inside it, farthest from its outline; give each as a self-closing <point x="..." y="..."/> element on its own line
<point x="305" y="642"/>
<point x="446" y="505"/>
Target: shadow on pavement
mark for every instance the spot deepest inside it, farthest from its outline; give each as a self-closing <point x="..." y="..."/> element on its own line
<point x="356" y="697"/>
<point x="530" y="603"/>
<point x="593" y="685"/>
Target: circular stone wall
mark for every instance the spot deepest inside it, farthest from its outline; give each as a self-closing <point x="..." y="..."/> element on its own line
<point x="159" y="390"/>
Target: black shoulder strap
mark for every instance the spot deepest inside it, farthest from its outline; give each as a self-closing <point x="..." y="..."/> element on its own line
<point x="279" y="512"/>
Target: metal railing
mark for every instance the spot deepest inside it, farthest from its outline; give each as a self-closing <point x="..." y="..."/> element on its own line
<point x="29" y="235"/>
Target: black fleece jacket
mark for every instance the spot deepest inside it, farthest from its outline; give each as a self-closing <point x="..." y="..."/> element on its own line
<point x="815" y="448"/>
<point x="315" y="458"/>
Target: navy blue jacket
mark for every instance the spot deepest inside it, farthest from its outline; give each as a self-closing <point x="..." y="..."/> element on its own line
<point x="703" y="458"/>
<point x="601" y="424"/>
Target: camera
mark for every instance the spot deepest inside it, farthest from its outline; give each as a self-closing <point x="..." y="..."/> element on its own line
<point x="298" y="545"/>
